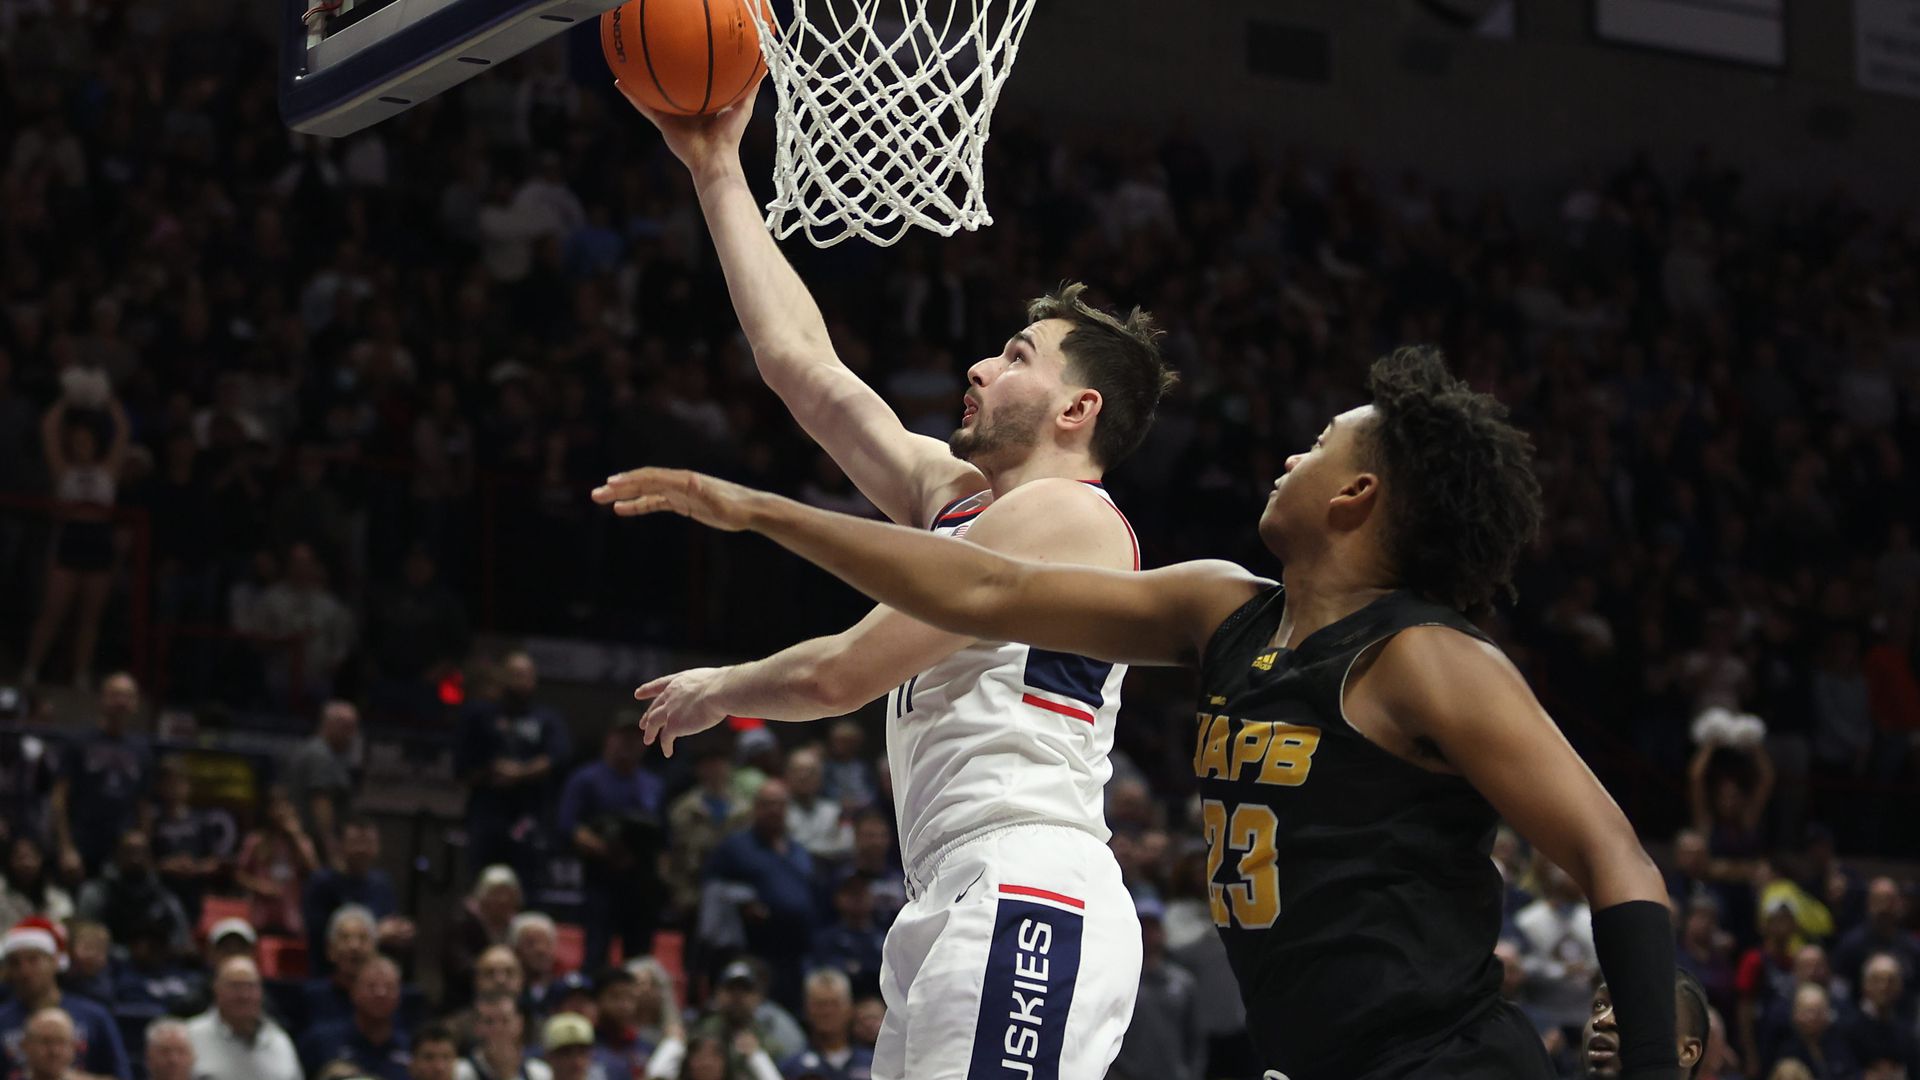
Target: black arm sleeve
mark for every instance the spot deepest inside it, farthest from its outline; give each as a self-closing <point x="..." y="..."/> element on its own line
<point x="1634" y="941"/>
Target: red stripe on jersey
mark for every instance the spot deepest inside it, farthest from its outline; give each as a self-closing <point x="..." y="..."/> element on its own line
<point x="1054" y="706"/>
<point x="1044" y="894"/>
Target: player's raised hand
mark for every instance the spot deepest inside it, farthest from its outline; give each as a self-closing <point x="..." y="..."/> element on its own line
<point x="700" y="142"/>
<point x="708" y="500"/>
<point x="680" y="706"/>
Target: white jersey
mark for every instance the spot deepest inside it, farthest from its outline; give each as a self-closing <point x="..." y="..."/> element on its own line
<point x="1001" y="734"/>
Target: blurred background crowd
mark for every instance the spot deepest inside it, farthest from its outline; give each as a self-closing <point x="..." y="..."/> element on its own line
<point x="295" y="440"/>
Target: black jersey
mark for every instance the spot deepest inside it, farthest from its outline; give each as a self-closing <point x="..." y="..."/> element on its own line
<point x="1354" y="890"/>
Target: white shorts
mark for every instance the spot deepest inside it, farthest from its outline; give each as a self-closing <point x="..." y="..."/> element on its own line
<point x="983" y="974"/>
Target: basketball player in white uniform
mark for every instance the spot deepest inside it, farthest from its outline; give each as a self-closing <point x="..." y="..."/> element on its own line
<point x="1018" y="953"/>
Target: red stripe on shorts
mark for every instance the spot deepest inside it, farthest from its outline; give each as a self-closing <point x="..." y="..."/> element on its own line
<point x="1054" y="706"/>
<point x="1058" y="898"/>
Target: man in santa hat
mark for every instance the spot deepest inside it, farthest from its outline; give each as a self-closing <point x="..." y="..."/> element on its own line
<point x="35" y="952"/>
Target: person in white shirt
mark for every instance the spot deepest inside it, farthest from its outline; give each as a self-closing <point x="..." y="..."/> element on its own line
<point x="1559" y="955"/>
<point x="235" y="1040"/>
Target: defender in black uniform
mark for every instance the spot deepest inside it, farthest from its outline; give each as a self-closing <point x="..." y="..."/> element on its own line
<point x="1357" y="737"/>
<point x="1364" y="944"/>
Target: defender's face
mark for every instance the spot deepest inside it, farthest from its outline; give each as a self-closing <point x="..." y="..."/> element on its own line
<point x="1600" y="1041"/>
<point x="1012" y="397"/>
<point x="1312" y="477"/>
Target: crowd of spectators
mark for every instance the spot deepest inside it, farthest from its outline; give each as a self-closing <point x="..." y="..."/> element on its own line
<point x="286" y="949"/>
<point x="314" y="411"/>
<point x="183" y="942"/>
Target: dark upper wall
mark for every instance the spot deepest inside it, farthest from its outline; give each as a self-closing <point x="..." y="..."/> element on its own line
<point x="1471" y="109"/>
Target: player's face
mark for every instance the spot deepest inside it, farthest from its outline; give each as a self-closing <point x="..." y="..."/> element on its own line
<point x="1013" y="397"/>
<point x="1312" y="477"/>
<point x="1601" y="1039"/>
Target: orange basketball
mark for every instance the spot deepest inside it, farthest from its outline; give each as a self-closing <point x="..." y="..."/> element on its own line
<point x="684" y="56"/>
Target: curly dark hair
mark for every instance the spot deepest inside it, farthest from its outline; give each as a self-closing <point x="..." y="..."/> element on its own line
<point x="1461" y="498"/>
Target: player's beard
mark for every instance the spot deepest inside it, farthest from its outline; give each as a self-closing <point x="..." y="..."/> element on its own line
<point x="1013" y="431"/>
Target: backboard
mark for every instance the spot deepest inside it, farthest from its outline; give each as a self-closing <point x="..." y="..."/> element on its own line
<point x="348" y="64"/>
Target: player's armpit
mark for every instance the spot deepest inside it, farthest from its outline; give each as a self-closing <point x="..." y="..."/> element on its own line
<point x="1469" y="699"/>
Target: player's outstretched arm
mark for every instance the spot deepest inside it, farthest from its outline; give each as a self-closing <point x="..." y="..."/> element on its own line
<point x="1469" y="699"/>
<point x="906" y="475"/>
<point x="1162" y="617"/>
<point x="1050" y="520"/>
<point x="820" y="677"/>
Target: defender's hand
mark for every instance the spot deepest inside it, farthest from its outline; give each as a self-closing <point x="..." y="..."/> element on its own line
<point x="710" y="501"/>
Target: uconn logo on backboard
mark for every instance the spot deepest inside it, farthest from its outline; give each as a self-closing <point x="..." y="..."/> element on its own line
<point x="1031" y="970"/>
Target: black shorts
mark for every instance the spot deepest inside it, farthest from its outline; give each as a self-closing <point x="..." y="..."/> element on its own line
<point x="1499" y="1044"/>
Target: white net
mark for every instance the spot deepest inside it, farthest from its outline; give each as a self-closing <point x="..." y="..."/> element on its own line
<point x="884" y="110"/>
